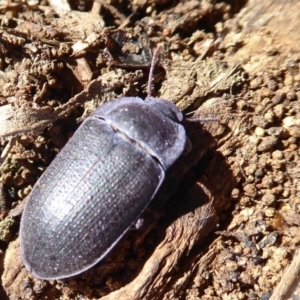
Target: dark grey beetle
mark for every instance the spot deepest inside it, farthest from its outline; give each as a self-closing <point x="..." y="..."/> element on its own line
<point x="99" y="184"/>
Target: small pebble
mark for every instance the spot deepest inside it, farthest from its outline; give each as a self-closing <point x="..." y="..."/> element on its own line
<point x="286" y="193"/>
<point x="278" y="98"/>
<point x="277" y="154"/>
<point x="278" y="176"/>
<point x="288" y="121"/>
<point x="291" y="96"/>
<point x="277" y="164"/>
<point x="289" y="80"/>
<point x="275" y="131"/>
<point x="260" y="121"/>
<point x="259" y="131"/>
<point x="259" y="173"/>
<point x="268" y="198"/>
<point x="294" y="131"/>
<point x="269" y="212"/>
<point x="267" y="143"/>
<point x="250" y="190"/>
<point x="249" y="170"/>
<point x="269" y="116"/>
<point x="244" y="201"/>
<point x="279" y="110"/>
<point x="255" y="83"/>
<point x="258" y="110"/>
<point x="272" y="85"/>
<point x="235" y="193"/>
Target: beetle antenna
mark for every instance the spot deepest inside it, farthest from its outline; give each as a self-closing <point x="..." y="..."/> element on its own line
<point x="153" y="63"/>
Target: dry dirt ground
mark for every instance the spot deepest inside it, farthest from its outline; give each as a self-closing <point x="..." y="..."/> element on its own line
<point x="230" y="227"/>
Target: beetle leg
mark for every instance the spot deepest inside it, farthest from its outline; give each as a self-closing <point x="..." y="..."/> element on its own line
<point x="137" y="225"/>
<point x="188" y="147"/>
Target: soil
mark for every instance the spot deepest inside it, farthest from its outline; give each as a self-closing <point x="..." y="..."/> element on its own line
<point x="226" y="223"/>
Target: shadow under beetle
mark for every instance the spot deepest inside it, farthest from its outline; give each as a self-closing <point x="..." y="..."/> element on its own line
<point x="99" y="184"/>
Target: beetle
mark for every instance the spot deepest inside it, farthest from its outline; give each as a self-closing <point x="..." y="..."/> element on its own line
<point x="99" y="184"/>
